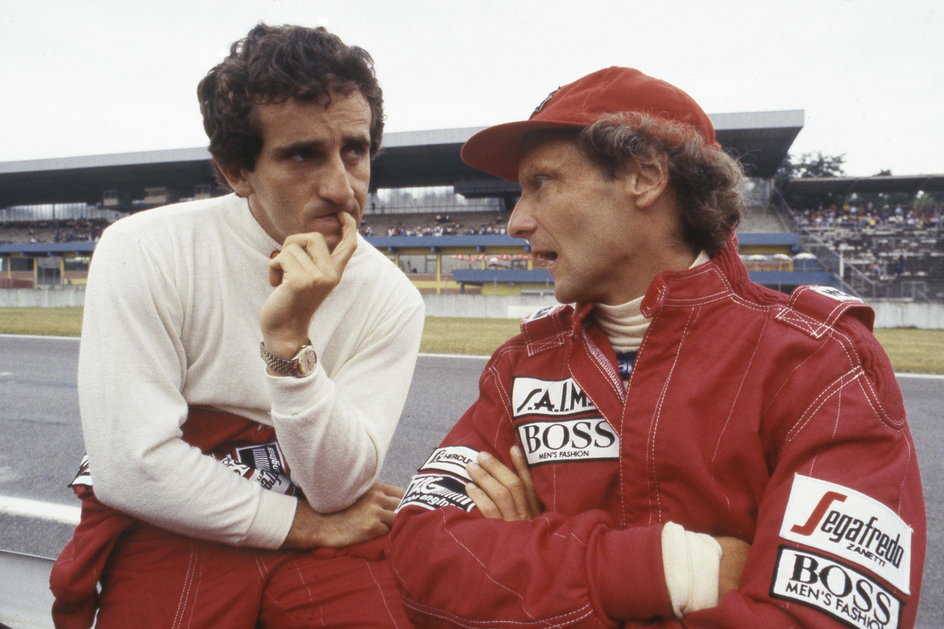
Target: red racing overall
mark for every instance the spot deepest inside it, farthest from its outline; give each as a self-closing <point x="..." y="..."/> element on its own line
<point x="748" y="413"/>
<point x="155" y="578"/>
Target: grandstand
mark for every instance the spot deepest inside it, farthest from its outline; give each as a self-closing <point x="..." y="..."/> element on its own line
<point x="443" y="223"/>
<point x="883" y="235"/>
<point x="897" y="261"/>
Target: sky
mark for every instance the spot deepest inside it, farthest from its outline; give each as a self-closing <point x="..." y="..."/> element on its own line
<point x="114" y="76"/>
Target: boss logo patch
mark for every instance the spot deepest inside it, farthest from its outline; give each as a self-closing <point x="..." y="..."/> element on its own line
<point x="451" y="459"/>
<point x="847" y="523"/>
<point x="834" y="588"/>
<point x="555" y="398"/>
<point x="432" y="491"/>
<point x="568" y="440"/>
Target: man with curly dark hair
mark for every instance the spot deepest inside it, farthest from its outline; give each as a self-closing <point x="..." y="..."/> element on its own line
<point x="230" y="355"/>
<point x="626" y="446"/>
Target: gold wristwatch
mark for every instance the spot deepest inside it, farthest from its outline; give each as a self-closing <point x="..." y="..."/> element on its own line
<point x="299" y="366"/>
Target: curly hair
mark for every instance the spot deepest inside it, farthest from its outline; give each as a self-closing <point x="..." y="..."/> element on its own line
<point x="271" y="65"/>
<point x="706" y="180"/>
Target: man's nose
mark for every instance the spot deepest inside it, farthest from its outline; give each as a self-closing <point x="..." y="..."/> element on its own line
<point x="522" y="223"/>
<point x="334" y="182"/>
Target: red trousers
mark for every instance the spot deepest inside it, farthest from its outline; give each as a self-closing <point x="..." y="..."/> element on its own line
<point x="151" y="578"/>
<point x="158" y="579"/>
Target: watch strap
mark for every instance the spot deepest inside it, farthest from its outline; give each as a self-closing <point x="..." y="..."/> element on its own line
<point x="284" y="366"/>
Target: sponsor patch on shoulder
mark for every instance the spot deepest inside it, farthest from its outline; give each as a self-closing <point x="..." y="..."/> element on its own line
<point x="434" y="491"/>
<point x="568" y="440"/>
<point x="450" y="459"/>
<point x="851" y="525"/>
<point x="835" y="588"/>
<point x="833" y="293"/>
<point x="551" y="398"/>
<point x="542" y="313"/>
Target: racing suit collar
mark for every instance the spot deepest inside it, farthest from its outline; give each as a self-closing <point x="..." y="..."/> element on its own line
<point x="704" y="283"/>
<point x="701" y="284"/>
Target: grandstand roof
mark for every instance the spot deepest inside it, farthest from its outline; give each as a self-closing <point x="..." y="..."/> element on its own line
<point x="409" y="159"/>
<point x="847" y="185"/>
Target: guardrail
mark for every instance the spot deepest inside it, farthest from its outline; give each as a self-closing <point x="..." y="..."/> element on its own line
<point x="25" y="599"/>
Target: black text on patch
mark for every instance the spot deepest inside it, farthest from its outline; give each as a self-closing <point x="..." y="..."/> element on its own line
<point x="451" y="459"/>
<point x="590" y="439"/>
<point x="834" y="588"/>
<point x="554" y="398"/>
<point x="434" y="491"/>
<point x="834" y="293"/>
<point x="850" y="524"/>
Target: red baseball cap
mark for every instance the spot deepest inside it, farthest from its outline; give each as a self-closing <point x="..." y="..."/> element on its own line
<point x="497" y="149"/>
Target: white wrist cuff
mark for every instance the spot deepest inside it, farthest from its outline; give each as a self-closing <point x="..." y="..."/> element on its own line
<point x="691" y="562"/>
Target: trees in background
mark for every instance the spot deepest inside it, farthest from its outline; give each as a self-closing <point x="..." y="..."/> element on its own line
<point x="806" y="166"/>
<point x="820" y="165"/>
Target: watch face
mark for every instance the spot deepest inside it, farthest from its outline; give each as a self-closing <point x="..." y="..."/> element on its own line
<point x="307" y="360"/>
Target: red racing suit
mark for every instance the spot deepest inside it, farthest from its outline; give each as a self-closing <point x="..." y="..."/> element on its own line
<point x="771" y="418"/>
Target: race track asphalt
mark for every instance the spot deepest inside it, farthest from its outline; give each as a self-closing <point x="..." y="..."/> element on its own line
<point x="42" y="442"/>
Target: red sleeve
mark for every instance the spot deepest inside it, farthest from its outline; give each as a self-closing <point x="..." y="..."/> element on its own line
<point x="841" y="533"/>
<point x="455" y="567"/>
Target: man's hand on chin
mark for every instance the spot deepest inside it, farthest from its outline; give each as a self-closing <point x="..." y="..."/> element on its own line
<point x="304" y="273"/>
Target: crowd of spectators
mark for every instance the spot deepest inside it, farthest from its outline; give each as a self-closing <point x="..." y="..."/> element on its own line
<point x="885" y="248"/>
<point x="439" y="225"/>
<point x="866" y="215"/>
<point x="64" y="230"/>
<point x="885" y="242"/>
<point x="89" y="230"/>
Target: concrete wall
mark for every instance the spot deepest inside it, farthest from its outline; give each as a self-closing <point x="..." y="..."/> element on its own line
<point x="888" y="313"/>
<point x="486" y="306"/>
<point x="43" y="297"/>
<point x="906" y="314"/>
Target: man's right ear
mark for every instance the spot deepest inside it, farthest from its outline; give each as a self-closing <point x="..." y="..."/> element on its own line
<point x="235" y="176"/>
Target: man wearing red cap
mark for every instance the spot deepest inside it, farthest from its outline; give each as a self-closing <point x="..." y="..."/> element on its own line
<point x="623" y="442"/>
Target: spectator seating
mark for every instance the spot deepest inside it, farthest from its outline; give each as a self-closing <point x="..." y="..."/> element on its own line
<point x="899" y="251"/>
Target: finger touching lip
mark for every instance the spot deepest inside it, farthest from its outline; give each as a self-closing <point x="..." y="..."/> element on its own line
<point x="340" y="218"/>
<point x="346" y="219"/>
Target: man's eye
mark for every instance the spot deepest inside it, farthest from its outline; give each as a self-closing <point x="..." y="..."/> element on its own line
<point x="538" y="182"/>
<point x="356" y="151"/>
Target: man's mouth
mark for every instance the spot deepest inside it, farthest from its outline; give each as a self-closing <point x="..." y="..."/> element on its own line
<point x="333" y="216"/>
<point x="545" y="258"/>
<point x="327" y="223"/>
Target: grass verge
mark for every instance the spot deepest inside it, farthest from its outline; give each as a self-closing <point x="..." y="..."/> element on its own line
<point x="41" y="321"/>
<point x="459" y="335"/>
<point x="910" y="350"/>
<point x="913" y="351"/>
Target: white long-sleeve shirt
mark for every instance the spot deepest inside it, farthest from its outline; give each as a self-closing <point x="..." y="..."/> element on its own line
<point x="172" y="320"/>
